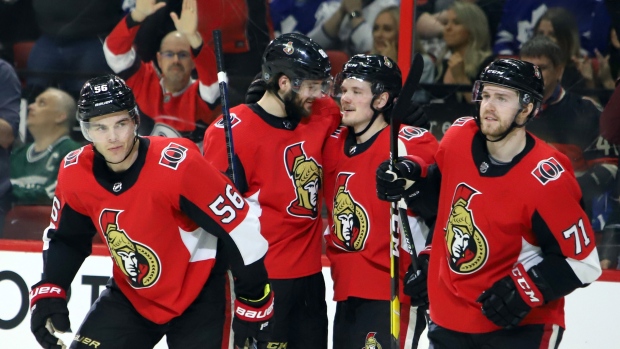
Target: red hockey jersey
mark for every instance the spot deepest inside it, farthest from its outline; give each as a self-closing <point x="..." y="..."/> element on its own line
<point x="284" y="170"/>
<point x="179" y="110"/>
<point x="492" y="217"/>
<point x="358" y="243"/>
<point x="161" y="221"/>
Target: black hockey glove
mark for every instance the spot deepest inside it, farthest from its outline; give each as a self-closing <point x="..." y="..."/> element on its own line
<point x="256" y="90"/>
<point x="49" y="314"/>
<point x="415" y="116"/>
<point x="398" y="182"/>
<point x="251" y="322"/>
<point x="416" y="285"/>
<point x="511" y="298"/>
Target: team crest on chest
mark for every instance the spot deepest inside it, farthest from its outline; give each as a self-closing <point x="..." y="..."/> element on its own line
<point x="351" y="224"/>
<point x="467" y="246"/>
<point x="306" y="175"/>
<point x="138" y="262"/>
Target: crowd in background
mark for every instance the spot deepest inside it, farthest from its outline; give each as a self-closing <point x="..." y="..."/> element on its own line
<point x="49" y="49"/>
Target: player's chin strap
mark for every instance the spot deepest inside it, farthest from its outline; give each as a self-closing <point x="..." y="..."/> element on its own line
<point x="375" y="114"/>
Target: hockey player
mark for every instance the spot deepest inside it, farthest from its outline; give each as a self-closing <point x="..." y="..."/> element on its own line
<point x="511" y="239"/>
<point x="358" y="243"/>
<point x="174" y="98"/>
<point x="278" y="141"/>
<point x="147" y="200"/>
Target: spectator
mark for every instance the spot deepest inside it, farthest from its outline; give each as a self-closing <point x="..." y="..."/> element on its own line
<point x="520" y="16"/>
<point x="174" y="99"/>
<point x="468" y="45"/>
<point x="10" y="93"/>
<point x="347" y="25"/>
<point x="293" y="16"/>
<point x="609" y="65"/>
<point x="571" y="123"/>
<point x="246" y="31"/>
<point x="34" y="166"/>
<point x="71" y="41"/>
<point x="560" y="26"/>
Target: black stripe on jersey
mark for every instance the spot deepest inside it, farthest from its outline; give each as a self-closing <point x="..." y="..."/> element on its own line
<point x="556" y="277"/>
<point x="69" y="245"/>
<point x="108" y="178"/>
<point x="249" y="279"/>
<point x="481" y="158"/>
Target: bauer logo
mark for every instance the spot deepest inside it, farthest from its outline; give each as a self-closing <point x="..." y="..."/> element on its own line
<point x="173" y="155"/>
<point x="548" y="170"/>
<point x="234" y="120"/>
<point x="72" y="157"/>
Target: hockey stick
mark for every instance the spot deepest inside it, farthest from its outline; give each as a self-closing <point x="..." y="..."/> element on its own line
<point x="400" y="107"/>
<point x="222" y="80"/>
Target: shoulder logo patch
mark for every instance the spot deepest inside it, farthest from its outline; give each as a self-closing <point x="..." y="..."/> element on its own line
<point x="462" y="121"/>
<point x="410" y="132"/>
<point x="72" y="157"/>
<point x="548" y="170"/>
<point x="173" y="155"/>
<point x="234" y="120"/>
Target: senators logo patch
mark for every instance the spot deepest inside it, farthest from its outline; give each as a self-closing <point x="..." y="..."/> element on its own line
<point x="173" y="155"/>
<point x="467" y="246"/>
<point x="548" y="170"/>
<point x="72" y="157"/>
<point x="411" y="132"/>
<point x="351" y="224"/>
<point x="307" y="178"/>
<point x="462" y="121"/>
<point x="138" y="262"/>
<point x="234" y="121"/>
<point x="371" y="341"/>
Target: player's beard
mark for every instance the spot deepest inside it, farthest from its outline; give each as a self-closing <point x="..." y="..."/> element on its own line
<point x="294" y="106"/>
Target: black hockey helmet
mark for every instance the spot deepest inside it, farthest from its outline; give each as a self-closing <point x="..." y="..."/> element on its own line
<point x="296" y="56"/>
<point x="106" y="94"/>
<point x="524" y="77"/>
<point x="381" y="71"/>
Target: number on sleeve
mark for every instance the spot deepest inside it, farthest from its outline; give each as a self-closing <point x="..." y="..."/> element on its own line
<point x="222" y="208"/>
<point x="579" y="233"/>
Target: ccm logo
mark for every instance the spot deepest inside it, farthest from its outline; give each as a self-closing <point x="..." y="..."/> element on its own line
<point x="45" y="290"/>
<point x="522" y="282"/>
<point x="253" y="314"/>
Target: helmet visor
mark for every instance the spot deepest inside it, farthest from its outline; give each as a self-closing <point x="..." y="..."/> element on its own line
<point x="500" y="96"/>
<point x="312" y="88"/>
<point x="108" y="129"/>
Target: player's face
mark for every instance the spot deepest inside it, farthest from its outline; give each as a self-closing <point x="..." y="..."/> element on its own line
<point x="455" y="34"/>
<point x="551" y="74"/>
<point x="44" y="111"/>
<point x="175" y="60"/>
<point x="312" y="188"/>
<point x="112" y="135"/>
<point x="355" y="100"/>
<point x="498" y="107"/>
<point x="460" y="243"/>
<point x="384" y="32"/>
<point x="307" y="92"/>
<point x="346" y="220"/>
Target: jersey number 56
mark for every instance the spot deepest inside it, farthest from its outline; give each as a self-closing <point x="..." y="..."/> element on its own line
<point x="222" y="208"/>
